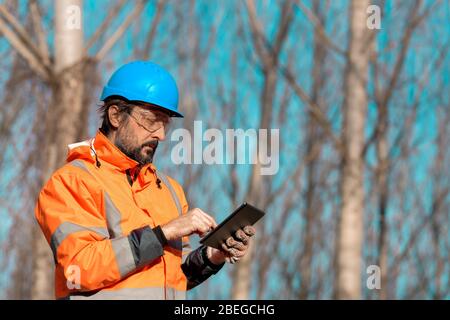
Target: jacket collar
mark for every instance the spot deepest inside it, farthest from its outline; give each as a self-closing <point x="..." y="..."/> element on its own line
<point x="108" y="152"/>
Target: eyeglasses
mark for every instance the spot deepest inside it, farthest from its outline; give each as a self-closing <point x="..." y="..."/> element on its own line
<point x="148" y="124"/>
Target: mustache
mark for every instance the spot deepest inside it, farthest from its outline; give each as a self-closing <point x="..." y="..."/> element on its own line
<point x="153" y="144"/>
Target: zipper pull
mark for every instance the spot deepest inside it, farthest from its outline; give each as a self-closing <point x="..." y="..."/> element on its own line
<point x="158" y="181"/>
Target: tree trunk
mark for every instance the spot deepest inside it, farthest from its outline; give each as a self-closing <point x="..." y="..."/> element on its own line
<point x="243" y="274"/>
<point x="258" y="184"/>
<point x="350" y="235"/>
<point x="63" y="121"/>
<point x="313" y="146"/>
<point x="383" y="187"/>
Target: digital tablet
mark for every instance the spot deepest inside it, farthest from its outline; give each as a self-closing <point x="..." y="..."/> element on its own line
<point x="243" y="216"/>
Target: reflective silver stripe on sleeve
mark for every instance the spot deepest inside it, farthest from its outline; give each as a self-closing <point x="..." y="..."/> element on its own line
<point x="173" y="294"/>
<point x="124" y="256"/>
<point x="113" y="217"/>
<point x="172" y="191"/>
<point x="186" y="250"/>
<point x="150" y="293"/>
<point x="67" y="228"/>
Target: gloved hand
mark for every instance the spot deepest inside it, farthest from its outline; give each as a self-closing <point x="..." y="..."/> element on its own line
<point x="234" y="248"/>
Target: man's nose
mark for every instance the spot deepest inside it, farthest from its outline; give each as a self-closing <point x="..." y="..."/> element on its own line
<point x="160" y="134"/>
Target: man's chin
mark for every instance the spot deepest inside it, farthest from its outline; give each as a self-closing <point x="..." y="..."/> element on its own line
<point x="146" y="157"/>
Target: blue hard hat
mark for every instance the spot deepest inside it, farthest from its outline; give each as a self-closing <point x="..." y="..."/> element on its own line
<point x="144" y="81"/>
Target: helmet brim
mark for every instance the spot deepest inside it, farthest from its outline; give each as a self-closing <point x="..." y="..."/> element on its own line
<point x="171" y="113"/>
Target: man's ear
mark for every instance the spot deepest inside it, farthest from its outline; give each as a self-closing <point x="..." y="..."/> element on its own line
<point x="114" y="116"/>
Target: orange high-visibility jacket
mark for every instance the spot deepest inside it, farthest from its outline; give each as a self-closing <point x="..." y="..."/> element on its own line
<point x="101" y="213"/>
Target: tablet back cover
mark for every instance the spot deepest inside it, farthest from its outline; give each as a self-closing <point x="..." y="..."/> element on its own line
<point x="243" y="216"/>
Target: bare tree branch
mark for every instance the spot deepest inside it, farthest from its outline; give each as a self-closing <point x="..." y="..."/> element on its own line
<point x="36" y="18"/>
<point x="286" y="19"/>
<point x="316" y="112"/>
<point x="101" y="30"/>
<point x="152" y="33"/>
<point x="20" y="41"/>
<point x="257" y="31"/>
<point x="26" y="54"/>
<point x="321" y="30"/>
<point x="119" y="32"/>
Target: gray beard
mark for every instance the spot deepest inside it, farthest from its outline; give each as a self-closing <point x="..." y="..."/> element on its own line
<point x="136" y="153"/>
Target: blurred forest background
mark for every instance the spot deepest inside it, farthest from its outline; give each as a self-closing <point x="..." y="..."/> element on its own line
<point x="364" y="119"/>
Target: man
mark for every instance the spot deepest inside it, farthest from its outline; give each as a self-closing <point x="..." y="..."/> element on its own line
<point x="118" y="228"/>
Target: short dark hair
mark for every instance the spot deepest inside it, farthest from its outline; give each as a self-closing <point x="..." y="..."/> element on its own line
<point x="124" y="106"/>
